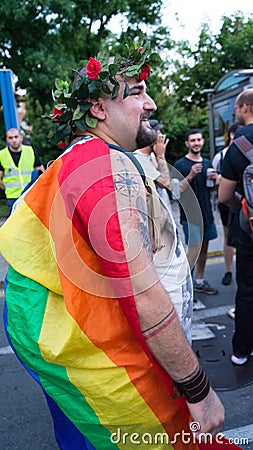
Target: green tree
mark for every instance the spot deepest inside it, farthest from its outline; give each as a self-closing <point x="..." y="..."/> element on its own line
<point x="201" y="67"/>
<point x="46" y="39"/>
<point x="181" y="102"/>
<point x="42" y="40"/>
<point x="235" y="42"/>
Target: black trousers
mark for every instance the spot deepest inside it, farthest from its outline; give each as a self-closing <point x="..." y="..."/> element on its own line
<point x="243" y="336"/>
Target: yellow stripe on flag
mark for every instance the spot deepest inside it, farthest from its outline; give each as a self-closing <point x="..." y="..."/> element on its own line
<point x="28" y="252"/>
<point x="106" y="387"/>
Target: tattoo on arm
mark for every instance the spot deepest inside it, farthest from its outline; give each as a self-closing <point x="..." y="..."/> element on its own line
<point x="126" y="182"/>
<point x="163" y="167"/>
<point x="143" y="226"/>
<point x="161" y="325"/>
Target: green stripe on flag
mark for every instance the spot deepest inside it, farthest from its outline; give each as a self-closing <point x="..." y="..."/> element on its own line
<point x="26" y="302"/>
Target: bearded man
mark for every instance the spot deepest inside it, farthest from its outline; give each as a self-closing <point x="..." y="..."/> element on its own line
<point x="85" y="310"/>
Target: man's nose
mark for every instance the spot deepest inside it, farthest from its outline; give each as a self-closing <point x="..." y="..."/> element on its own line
<point x="150" y="104"/>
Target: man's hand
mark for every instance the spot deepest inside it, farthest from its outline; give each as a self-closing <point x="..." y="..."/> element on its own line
<point x="160" y="145"/>
<point x="195" y="169"/>
<point x="209" y="414"/>
<point x="2" y="186"/>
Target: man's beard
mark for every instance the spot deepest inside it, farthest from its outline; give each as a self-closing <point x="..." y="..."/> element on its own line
<point x="145" y="136"/>
<point x="241" y="121"/>
<point x="195" y="152"/>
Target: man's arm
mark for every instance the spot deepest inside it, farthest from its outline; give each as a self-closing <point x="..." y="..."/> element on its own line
<point x="195" y="169"/>
<point x="2" y="186"/>
<point x="38" y="163"/>
<point x="158" y="320"/>
<point x="228" y="194"/>
<point x="162" y="166"/>
<point x="41" y="167"/>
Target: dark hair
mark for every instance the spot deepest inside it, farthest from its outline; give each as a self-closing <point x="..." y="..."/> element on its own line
<point x="192" y="131"/>
<point x="232" y="129"/>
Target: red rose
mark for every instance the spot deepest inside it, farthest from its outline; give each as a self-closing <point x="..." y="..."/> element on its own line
<point x="62" y="145"/>
<point x="144" y="73"/>
<point x="140" y="49"/>
<point x="93" y="68"/>
<point x="57" y="113"/>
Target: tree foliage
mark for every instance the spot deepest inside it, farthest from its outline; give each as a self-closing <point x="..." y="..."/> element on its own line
<point x="201" y="67"/>
<point x="45" y="39"/>
<point x="198" y="68"/>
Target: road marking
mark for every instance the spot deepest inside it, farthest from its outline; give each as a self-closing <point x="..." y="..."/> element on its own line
<point x="215" y="259"/>
<point x="240" y="435"/>
<point x="211" y="312"/>
<point x="201" y="331"/>
<point x="6" y="350"/>
<point x="197" y="304"/>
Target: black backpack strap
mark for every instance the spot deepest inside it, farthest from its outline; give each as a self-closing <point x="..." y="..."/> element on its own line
<point x="133" y="159"/>
<point x="246" y="213"/>
<point x="245" y="146"/>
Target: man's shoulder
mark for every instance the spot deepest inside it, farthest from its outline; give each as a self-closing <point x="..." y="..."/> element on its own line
<point x="243" y="142"/>
<point x="244" y="131"/>
<point x="180" y="161"/>
<point x="242" y="147"/>
<point x="139" y="154"/>
<point x="147" y="165"/>
<point x="91" y="143"/>
<point x="27" y="147"/>
<point x="234" y="163"/>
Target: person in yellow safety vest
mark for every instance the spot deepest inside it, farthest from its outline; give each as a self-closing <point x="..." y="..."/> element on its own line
<point x="17" y="161"/>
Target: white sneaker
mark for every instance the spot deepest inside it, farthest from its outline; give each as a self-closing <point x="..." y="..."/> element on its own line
<point x="240" y="361"/>
<point x="231" y="313"/>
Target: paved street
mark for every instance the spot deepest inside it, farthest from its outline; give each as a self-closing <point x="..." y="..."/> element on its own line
<point x="25" y="421"/>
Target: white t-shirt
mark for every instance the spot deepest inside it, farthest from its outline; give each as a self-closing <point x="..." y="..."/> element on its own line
<point x="172" y="267"/>
<point x="218" y="158"/>
<point x="171" y="262"/>
<point x="147" y="162"/>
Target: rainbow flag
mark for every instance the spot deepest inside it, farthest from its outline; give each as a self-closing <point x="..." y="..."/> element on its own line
<point x="70" y="312"/>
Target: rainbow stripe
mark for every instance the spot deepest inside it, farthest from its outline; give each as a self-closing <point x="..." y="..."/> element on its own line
<point x="70" y="327"/>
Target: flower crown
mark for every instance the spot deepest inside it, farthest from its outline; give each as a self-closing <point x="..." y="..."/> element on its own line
<point x="96" y="78"/>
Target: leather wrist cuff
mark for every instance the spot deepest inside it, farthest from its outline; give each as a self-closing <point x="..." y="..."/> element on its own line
<point x="196" y="388"/>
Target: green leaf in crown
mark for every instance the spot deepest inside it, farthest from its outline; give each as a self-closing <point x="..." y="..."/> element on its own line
<point x="98" y="76"/>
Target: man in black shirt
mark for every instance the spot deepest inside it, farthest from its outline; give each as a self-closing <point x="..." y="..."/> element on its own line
<point x="193" y="167"/>
<point x="231" y="192"/>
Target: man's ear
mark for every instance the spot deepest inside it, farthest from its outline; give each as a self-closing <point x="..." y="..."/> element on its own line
<point x="98" y="108"/>
<point x="245" y="108"/>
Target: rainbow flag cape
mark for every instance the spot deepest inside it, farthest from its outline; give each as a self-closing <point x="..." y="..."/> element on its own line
<point x="70" y="312"/>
